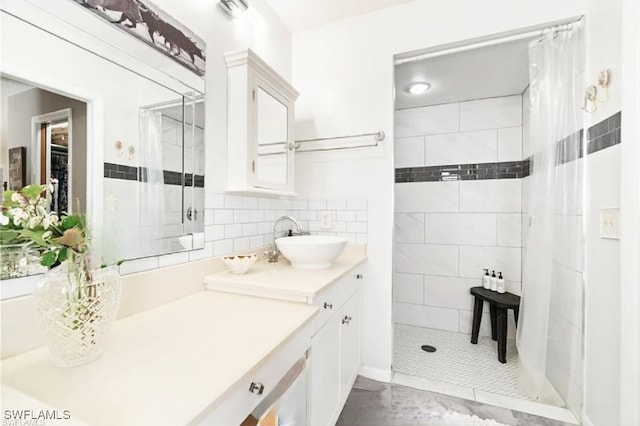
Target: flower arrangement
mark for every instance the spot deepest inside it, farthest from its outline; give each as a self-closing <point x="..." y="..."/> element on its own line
<point x="24" y="219"/>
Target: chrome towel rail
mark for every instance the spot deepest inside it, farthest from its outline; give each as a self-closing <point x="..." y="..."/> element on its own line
<point x="377" y="137"/>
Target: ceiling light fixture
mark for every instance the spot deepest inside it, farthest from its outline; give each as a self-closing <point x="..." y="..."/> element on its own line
<point x="417" y="87"/>
<point x="233" y="8"/>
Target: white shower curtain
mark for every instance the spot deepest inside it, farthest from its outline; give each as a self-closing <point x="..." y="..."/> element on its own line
<point x="549" y="199"/>
<point x="152" y="203"/>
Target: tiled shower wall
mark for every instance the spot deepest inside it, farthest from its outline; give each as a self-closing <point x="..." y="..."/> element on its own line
<point x="453" y="221"/>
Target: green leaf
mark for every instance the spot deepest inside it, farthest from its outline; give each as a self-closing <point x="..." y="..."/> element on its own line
<point x="7" y="202"/>
<point x="33" y="191"/>
<point x="48" y="258"/>
<point x="70" y="222"/>
<point x="62" y="254"/>
<point x="35" y="235"/>
<point x="8" y="235"/>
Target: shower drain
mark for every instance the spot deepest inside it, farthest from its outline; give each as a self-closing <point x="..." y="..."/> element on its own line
<point x="428" y="348"/>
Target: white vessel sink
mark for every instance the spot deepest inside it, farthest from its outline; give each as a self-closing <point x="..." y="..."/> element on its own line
<point x="311" y="251"/>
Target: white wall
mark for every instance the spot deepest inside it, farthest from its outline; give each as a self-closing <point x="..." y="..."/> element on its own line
<point x="446" y="232"/>
<point x="602" y="271"/>
<point x="344" y="72"/>
<point x="630" y="220"/>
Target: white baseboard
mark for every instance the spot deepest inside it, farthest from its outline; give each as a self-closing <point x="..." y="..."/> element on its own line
<point x="376" y="374"/>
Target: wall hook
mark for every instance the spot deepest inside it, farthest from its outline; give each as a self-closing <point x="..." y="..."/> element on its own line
<point x="119" y="146"/>
<point x="132" y="152"/>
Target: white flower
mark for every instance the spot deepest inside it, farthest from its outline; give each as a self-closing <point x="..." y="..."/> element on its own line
<point x="34" y="222"/>
<point x="46" y="235"/>
<point x="4" y="220"/>
<point x="16" y="197"/>
<point x="23" y="262"/>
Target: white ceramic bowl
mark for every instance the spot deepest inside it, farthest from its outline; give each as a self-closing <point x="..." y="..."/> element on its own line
<point x="240" y="263"/>
<point x="311" y="251"/>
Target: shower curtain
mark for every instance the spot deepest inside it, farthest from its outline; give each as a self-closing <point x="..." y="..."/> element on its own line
<point x="151" y="188"/>
<point x="550" y="196"/>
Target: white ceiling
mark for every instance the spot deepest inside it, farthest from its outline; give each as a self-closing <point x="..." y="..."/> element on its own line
<point x="300" y="15"/>
<point x="487" y="72"/>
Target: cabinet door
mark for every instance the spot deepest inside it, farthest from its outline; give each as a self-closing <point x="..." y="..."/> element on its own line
<point x="325" y="372"/>
<point x="273" y="163"/>
<point x="350" y="323"/>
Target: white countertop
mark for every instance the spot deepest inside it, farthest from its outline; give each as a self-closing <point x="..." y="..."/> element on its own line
<point x="280" y="280"/>
<point x="162" y="366"/>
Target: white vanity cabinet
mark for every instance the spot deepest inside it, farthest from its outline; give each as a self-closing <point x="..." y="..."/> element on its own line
<point x="260" y="127"/>
<point x="335" y="348"/>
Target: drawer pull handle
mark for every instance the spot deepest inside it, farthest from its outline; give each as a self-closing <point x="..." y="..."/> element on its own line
<point x="359" y="276"/>
<point x="346" y="320"/>
<point x="256" y="388"/>
<point x="328" y="305"/>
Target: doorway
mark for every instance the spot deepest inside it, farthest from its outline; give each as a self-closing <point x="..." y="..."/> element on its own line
<point x="52" y="141"/>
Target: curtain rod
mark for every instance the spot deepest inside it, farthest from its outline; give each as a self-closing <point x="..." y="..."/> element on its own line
<point x="483" y="42"/>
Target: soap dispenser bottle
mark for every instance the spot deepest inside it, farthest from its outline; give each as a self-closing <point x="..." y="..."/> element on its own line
<point x="494" y="281"/>
<point x="500" y="287"/>
<point x="486" y="283"/>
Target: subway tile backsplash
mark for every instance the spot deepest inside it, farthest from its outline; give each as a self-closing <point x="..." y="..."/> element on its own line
<point x="234" y="222"/>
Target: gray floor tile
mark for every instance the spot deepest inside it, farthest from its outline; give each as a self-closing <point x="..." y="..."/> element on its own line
<point x="373" y="403"/>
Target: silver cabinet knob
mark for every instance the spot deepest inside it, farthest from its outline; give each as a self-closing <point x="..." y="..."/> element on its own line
<point x="346" y="320"/>
<point x="328" y="305"/>
<point x="256" y="388"/>
<point x="359" y="277"/>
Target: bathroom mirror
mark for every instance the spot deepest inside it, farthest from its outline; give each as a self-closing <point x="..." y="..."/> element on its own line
<point x="271" y="167"/>
<point x="135" y="132"/>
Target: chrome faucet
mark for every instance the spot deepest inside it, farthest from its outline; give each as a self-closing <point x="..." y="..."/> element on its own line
<point x="272" y="251"/>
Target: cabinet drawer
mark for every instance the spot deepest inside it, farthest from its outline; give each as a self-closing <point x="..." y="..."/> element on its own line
<point x="348" y="285"/>
<point x="328" y="305"/>
<point x="244" y="397"/>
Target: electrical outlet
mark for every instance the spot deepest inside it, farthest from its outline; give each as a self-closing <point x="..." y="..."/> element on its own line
<point x="325" y="220"/>
<point x="610" y="224"/>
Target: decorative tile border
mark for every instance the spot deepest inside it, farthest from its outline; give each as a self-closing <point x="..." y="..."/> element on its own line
<point x="480" y="171"/>
<point x="120" y="171"/>
<point x="603" y="135"/>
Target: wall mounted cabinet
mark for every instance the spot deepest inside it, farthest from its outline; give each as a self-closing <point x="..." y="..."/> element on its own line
<point x="260" y="127"/>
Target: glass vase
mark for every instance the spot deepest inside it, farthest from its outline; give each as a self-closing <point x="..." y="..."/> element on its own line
<point x="77" y="308"/>
<point x="19" y="260"/>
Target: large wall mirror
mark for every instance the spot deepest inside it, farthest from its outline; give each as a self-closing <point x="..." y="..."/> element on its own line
<point x="122" y="140"/>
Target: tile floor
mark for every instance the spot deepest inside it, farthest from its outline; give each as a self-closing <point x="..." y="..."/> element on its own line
<point x="463" y="370"/>
<point x="373" y="403"/>
<point x="456" y="361"/>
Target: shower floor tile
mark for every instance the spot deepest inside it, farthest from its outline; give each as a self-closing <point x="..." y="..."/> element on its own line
<point x="456" y="361"/>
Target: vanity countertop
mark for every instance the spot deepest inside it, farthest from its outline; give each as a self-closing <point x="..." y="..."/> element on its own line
<point x="166" y="365"/>
<point x="280" y="280"/>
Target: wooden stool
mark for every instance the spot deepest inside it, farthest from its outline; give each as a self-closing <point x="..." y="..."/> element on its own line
<point x="499" y="303"/>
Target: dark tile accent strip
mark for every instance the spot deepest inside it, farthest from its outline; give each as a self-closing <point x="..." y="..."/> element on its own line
<point x="605" y="134"/>
<point x="120" y="171"/>
<point x="480" y="171"/>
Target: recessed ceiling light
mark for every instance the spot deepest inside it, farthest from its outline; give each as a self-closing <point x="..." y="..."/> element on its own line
<point x="417" y="87"/>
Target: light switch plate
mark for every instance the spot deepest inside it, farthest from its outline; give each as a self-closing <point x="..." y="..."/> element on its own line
<point x="325" y="220"/>
<point x="610" y="224"/>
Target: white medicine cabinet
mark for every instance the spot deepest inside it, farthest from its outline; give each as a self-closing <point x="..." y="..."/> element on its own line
<point x="260" y="127"/>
